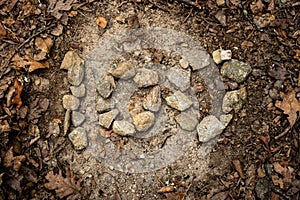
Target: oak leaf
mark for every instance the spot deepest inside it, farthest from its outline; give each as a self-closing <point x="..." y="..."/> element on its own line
<point x="63" y="186"/>
<point x="18" y="89"/>
<point x="43" y="44"/>
<point x="290" y="105"/>
<point x="55" y="6"/>
<point x="14" y="161"/>
<point x="34" y="65"/>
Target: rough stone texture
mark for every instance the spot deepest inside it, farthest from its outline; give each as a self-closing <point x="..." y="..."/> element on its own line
<point x="225" y="119"/>
<point x="179" y="101"/>
<point x="205" y="61"/>
<point x="146" y="77"/>
<point x="143" y="121"/>
<point x="71" y="58"/>
<point x="236" y="70"/>
<point x="78" y="91"/>
<point x="107" y="118"/>
<point x="124" y="70"/>
<point x="79" y="138"/>
<point x="209" y="128"/>
<point x="152" y="101"/>
<point x="179" y="77"/>
<point x="106" y="86"/>
<point x="70" y="102"/>
<point x="184" y="63"/>
<point x="221" y="55"/>
<point x="187" y="121"/>
<point x="234" y="100"/>
<point x="103" y="105"/>
<point x="123" y="128"/>
<point x="77" y="118"/>
<point x="75" y="66"/>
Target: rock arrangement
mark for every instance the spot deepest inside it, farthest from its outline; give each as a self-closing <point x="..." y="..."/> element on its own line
<point x="154" y="90"/>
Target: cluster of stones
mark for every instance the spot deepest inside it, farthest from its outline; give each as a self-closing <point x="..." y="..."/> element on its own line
<point x="71" y="102"/>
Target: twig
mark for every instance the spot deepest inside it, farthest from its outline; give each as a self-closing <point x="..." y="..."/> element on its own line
<point x="21" y="45"/>
<point x="159" y="180"/>
<point x="283" y="133"/>
<point x="188" y="15"/>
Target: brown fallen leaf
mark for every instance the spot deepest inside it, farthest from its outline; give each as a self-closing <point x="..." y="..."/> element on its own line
<point x="101" y="21"/>
<point x="17" y="98"/>
<point x="290" y="105"/>
<point x="34" y="65"/>
<point x="14" y="161"/>
<point x="43" y="44"/>
<point x="238" y="167"/>
<point x="221" y="17"/>
<point x="286" y="172"/>
<point x="175" y="196"/>
<point x="63" y="186"/>
<point x="279" y="73"/>
<point x="246" y="44"/>
<point x="165" y="189"/>
<point x="277" y="181"/>
<point x="18" y="62"/>
<point x="297" y="56"/>
<point x="2" y="30"/>
<point x="55" y="6"/>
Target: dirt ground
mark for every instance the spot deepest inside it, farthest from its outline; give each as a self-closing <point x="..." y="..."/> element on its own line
<point x="256" y="157"/>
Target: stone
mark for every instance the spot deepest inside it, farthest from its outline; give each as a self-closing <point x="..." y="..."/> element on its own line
<point x="103" y="105"/>
<point x="67" y="121"/>
<point x="179" y="101"/>
<point x="106" y="86"/>
<point x="123" y="128"/>
<point x="187" y="121"/>
<point x="226" y="55"/>
<point x="225" y="119"/>
<point x="220" y="2"/>
<point x="124" y="70"/>
<point x="143" y="121"/>
<point x="70" y="102"/>
<point x="106" y="119"/>
<point x="152" y="101"/>
<point x="234" y="100"/>
<point x="209" y="128"/>
<point x="184" y="63"/>
<point x="71" y="58"/>
<point x="77" y="118"/>
<point x="179" y="77"/>
<point x="264" y="20"/>
<point x="220" y="55"/>
<point x="53" y="129"/>
<point x="203" y="60"/>
<point x="79" y="138"/>
<point x="78" y="91"/>
<point x="146" y="77"/>
<point x="236" y="70"/>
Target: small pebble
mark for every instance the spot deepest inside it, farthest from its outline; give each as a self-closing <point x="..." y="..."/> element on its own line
<point x="236" y="70"/>
<point x="123" y="128"/>
<point x="106" y="86"/>
<point x="143" y="121"/>
<point x="146" y="77"/>
<point x="79" y="138"/>
<point x="107" y="118"/>
<point x="78" y="91"/>
<point x="179" y="101"/>
<point x="77" y="118"/>
<point x="70" y="102"/>
<point x="209" y="128"/>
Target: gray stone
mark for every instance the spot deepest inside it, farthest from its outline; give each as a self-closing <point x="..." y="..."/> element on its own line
<point x="187" y="121"/>
<point x="184" y="63"/>
<point x="71" y="58"/>
<point x="106" y="86"/>
<point x="234" y="100"/>
<point x="179" y="101"/>
<point x="78" y="91"/>
<point x="236" y="70"/>
<point x="70" y="102"/>
<point x="123" y="128"/>
<point x="152" y="101"/>
<point x="179" y="77"/>
<point x="146" y="77"/>
<point x="103" y="105"/>
<point x="226" y="55"/>
<point x="124" y="70"/>
<point x="67" y="121"/>
<point x="209" y="128"/>
<point x="202" y="60"/>
<point x="107" y="118"/>
<point x="225" y="119"/>
<point x="77" y="118"/>
<point x="79" y="138"/>
<point x="221" y="55"/>
<point x="143" y="121"/>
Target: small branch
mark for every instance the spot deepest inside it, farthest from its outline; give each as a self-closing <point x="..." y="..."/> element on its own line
<point x="20" y="46"/>
<point x="283" y="133"/>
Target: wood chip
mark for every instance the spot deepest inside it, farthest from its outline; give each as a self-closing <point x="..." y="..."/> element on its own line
<point x="238" y="167"/>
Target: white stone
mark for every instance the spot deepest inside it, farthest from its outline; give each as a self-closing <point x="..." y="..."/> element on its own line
<point x="79" y="138"/>
<point x="123" y="128"/>
<point x="209" y="128"/>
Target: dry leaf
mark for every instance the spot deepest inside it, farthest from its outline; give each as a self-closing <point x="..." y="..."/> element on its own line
<point x="165" y="189"/>
<point x="18" y="62"/>
<point x="43" y="45"/>
<point x="297" y="56"/>
<point x="59" y="5"/>
<point x="238" y="167"/>
<point x="2" y="30"/>
<point x="18" y="89"/>
<point x="286" y="172"/>
<point x="290" y="105"/>
<point x="63" y="186"/>
<point x="11" y="160"/>
<point x="175" y="196"/>
<point x="246" y="44"/>
<point x="101" y="21"/>
<point x="34" y="65"/>
<point x="277" y="181"/>
<point x="279" y="73"/>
